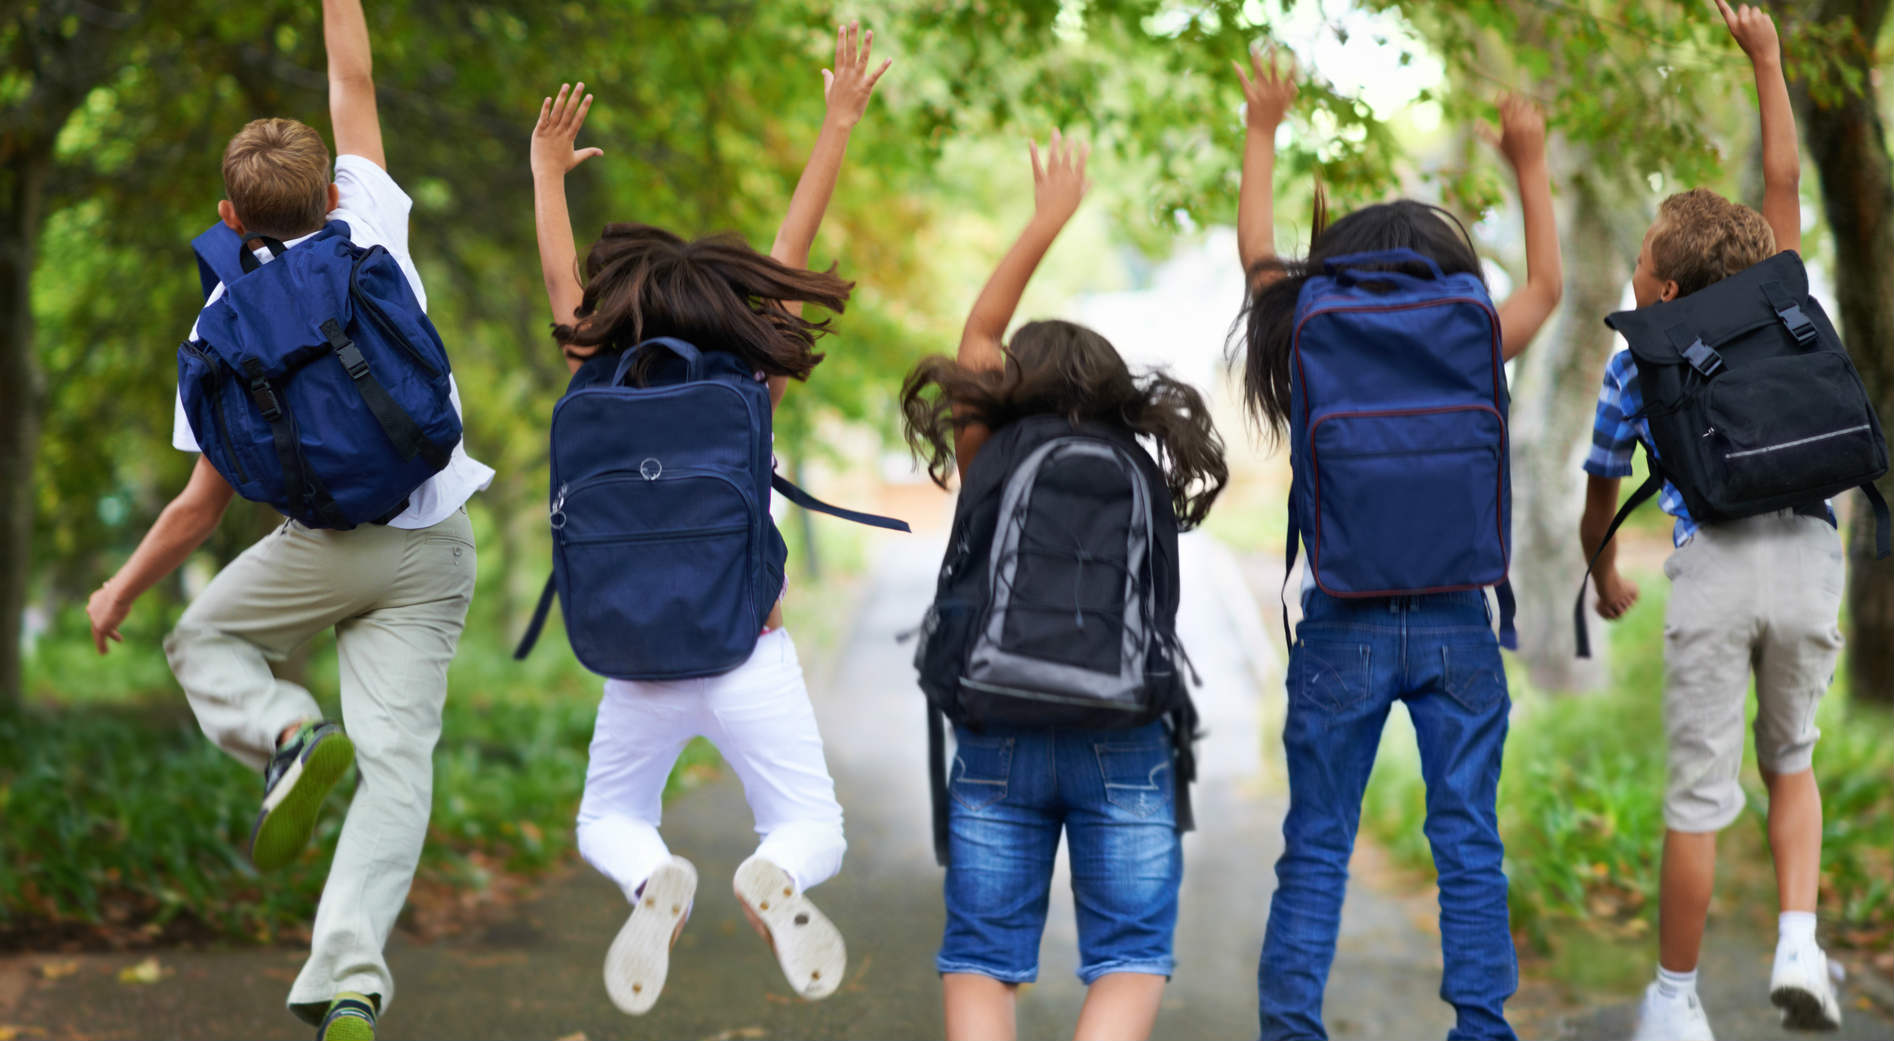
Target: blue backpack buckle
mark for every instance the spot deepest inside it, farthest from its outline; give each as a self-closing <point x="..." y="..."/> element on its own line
<point x="1703" y="359"/>
<point x="1798" y="323"/>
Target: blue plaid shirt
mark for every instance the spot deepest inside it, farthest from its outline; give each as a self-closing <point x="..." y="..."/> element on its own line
<point x="1614" y="436"/>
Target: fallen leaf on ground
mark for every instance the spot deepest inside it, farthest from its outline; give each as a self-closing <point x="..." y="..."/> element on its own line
<point x="579" y="1036"/>
<point x="53" y="970"/>
<point x="147" y="971"/>
<point x="740" y="1034"/>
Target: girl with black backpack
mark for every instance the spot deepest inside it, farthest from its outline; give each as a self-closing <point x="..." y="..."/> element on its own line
<point x="1357" y="353"/>
<point x="1075" y="525"/>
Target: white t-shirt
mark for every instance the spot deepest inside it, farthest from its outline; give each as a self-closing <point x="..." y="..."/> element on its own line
<point x="376" y="211"/>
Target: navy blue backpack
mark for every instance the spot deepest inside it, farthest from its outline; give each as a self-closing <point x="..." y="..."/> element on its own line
<point x="665" y="557"/>
<point x="1397" y="432"/>
<point x="316" y="383"/>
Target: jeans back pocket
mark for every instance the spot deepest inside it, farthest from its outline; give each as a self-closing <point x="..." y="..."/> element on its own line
<point x="1331" y="675"/>
<point x="982" y="767"/>
<point x="1136" y="775"/>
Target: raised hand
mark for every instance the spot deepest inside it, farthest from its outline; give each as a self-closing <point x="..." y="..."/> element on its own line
<point x="1521" y="134"/>
<point x="1269" y="88"/>
<point x="1754" y="30"/>
<point x="559" y="121"/>
<point x="848" y="86"/>
<point x="1058" y="181"/>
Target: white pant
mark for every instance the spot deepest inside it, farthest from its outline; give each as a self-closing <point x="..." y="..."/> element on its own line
<point x="759" y="717"/>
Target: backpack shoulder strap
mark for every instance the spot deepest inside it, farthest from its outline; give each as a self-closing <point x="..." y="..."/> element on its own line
<point x="533" y="627"/>
<point x="1638" y="498"/>
<point x="1879" y="505"/>
<point x="219" y="256"/>
<point x="789" y="491"/>
<point x="937" y="780"/>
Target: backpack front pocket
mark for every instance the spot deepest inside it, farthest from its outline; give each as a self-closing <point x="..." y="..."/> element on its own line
<point x="1790" y="425"/>
<point x="657" y="603"/>
<point x="1408" y="500"/>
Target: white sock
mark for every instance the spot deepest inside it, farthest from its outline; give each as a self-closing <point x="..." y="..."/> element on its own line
<point x="1676" y="985"/>
<point x="1795" y="927"/>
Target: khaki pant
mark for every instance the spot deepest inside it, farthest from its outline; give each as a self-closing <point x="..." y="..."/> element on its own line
<point x="397" y="600"/>
<point x="1760" y="595"/>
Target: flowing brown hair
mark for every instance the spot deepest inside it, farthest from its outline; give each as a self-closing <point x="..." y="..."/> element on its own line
<point x="715" y="293"/>
<point x="1064" y="369"/>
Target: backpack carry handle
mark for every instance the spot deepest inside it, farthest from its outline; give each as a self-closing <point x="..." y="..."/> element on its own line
<point x="693" y="358"/>
<point x="1345" y="268"/>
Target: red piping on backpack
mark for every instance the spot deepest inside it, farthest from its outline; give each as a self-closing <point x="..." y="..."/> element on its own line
<point x="1315" y="547"/>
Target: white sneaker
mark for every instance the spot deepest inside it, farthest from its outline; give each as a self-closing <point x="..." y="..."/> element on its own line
<point x="807" y="944"/>
<point x="640" y="957"/>
<point x="1801" y="988"/>
<point x="1666" y="1018"/>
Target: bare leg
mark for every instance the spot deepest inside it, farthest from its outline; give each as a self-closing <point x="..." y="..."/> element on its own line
<point x="1795" y="837"/>
<point x="1120" y="1006"/>
<point x="979" y="1008"/>
<point x="1689" y="875"/>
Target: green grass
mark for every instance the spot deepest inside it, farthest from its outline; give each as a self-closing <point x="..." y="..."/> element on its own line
<point x="115" y="812"/>
<point x="1581" y="797"/>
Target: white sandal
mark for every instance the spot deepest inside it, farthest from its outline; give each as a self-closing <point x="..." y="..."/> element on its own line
<point x="808" y="946"/>
<point x="640" y="957"/>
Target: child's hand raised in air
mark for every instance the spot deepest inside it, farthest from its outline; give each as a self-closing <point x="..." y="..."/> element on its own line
<point x="1754" y="30"/>
<point x="559" y="121"/>
<point x="1271" y="89"/>
<point x="1058" y="181"/>
<point x="1521" y="134"/>
<point x="848" y="86"/>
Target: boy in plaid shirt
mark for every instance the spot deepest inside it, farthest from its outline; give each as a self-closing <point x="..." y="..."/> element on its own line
<point x="1762" y="591"/>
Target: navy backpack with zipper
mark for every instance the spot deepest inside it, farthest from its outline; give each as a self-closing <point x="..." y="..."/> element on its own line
<point x="1398" y="432"/>
<point x="316" y="383"/>
<point x="665" y="558"/>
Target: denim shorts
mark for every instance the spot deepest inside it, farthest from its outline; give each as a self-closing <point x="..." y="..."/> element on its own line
<point x="1012" y="791"/>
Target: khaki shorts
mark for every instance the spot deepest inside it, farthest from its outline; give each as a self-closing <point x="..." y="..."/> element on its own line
<point x="1757" y="595"/>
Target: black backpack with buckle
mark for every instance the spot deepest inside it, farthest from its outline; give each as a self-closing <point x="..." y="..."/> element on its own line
<point x="1752" y="402"/>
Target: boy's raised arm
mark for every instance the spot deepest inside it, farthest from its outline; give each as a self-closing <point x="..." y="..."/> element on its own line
<point x="1058" y="185"/>
<point x="1755" y="32"/>
<point x="552" y="158"/>
<point x="1267" y="94"/>
<point x="1522" y="141"/>
<point x="351" y="81"/>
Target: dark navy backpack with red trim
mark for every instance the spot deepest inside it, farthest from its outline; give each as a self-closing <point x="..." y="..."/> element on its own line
<point x="1398" y="432"/>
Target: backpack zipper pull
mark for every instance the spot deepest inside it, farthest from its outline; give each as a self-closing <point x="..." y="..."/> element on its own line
<point x="557" y="516"/>
<point x="1708" y="431"/>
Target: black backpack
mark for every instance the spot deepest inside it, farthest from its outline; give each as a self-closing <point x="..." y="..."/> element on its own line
<point x="1752" y="402"/>
<point x="1057" y="599"/>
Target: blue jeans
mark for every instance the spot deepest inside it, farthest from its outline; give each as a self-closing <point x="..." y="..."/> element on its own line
<point x="1353" y="659"/>
<point x="1013" y="790"/>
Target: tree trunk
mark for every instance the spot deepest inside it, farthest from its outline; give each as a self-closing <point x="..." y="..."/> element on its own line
<point x="1848" y="142"/>
<point x="22" y="188"/>
<point x="1554" y="396"/>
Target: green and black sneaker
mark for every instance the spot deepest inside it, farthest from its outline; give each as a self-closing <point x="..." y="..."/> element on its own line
<point x="295" y="784"/>
<point x="351" y="1017"/>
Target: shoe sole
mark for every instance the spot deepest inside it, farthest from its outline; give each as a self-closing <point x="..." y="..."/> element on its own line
<point x="808" y="946"/>
<point x="640" y="957"/>
<point x="1802" y="1009"/>
<point x="283" y="828"/>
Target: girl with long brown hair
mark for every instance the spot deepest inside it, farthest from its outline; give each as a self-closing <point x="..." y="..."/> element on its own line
<point x="1013" y="789"/>
<point x="719" y="295"/>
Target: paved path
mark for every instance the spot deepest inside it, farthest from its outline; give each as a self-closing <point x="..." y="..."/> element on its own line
<point x="536" y="973"/>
